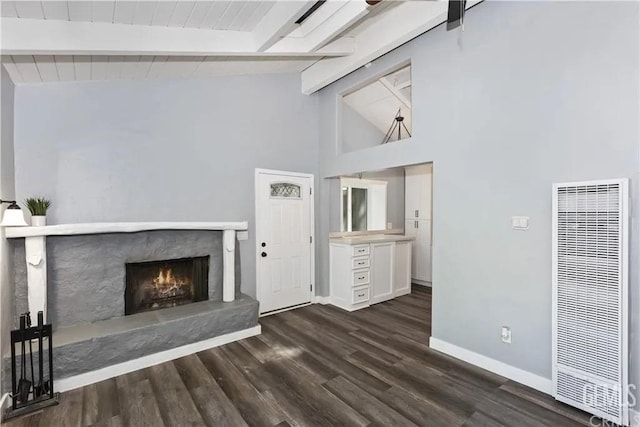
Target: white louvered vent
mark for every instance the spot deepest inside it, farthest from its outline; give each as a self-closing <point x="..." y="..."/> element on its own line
<point x="590" y="256"/>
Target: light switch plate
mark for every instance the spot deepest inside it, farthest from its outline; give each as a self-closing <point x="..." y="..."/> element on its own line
<point x="505" y="335"/>
<point x="520" y="222"/>
<point x="242" y="235"/>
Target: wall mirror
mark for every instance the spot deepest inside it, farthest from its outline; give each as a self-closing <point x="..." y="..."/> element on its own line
<point x="367" y="201"/>
<point x="378" y="112"/>
<point x="363" y="204"/>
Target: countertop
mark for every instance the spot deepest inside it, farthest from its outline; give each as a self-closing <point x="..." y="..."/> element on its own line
<point x="371" y="238"/>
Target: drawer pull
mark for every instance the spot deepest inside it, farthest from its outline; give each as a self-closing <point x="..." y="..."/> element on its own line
<point x="361" y="278"/>
<point x="361" y="295"/>
<point x="361" y="263"/>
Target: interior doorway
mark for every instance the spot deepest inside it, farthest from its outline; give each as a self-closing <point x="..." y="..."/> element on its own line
<point x="403" y="199"/>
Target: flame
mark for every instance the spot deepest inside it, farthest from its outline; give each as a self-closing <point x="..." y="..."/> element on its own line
<point x="167" y="284"/>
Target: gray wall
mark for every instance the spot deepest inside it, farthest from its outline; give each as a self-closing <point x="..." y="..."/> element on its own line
<point x="182" y="149"/>
<point x="7" y="192"/>
<point x="357" y="132"/>
<point x="534" y="93"/>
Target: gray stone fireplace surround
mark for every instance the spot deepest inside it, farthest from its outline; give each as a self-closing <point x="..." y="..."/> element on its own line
<point x="86" y="285"/>
<point x="89" y="347"/>
<point x="86" y="273"/>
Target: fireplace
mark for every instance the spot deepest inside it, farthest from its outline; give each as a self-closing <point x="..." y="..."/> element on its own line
<point x="169" y="283"/>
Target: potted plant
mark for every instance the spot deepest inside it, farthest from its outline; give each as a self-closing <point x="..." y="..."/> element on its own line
<point x="38" y="207"/>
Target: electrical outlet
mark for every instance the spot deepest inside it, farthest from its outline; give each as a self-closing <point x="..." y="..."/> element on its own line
<point x="505" y="336"/>
<point x="520" y="222"/>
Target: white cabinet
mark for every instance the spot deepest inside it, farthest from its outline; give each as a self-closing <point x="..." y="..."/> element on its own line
<point x="382" y="264"/>
<point x="420" y="230"/>
<point x="368" y="273"/>
<point x="411" y="229"/>
<point x="418" y="207"/>
<point x="417" y="190"/>
<point x="423" y="251"/>
<point x="402" y="270"/>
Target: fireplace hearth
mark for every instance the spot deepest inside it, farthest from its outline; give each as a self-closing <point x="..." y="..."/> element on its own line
<point x="168" y="283"/>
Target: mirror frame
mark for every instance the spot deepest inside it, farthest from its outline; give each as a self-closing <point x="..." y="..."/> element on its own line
<point x="372" y="187"/>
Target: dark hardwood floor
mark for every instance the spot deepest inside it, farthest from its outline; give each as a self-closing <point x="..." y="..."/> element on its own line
<point x="315" y="366"/>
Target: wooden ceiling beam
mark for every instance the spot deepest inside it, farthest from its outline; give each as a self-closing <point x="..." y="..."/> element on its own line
<point x="50" y="37"/>
<point x="394" y="28"/>
<point x="325" y="31"/>
<point x="278" y="22"/>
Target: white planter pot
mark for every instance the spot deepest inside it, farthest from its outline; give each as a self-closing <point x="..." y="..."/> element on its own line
<point x="38" y="220"/>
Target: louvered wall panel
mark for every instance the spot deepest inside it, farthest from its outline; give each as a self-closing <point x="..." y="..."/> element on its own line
<point x="590" y="281"/>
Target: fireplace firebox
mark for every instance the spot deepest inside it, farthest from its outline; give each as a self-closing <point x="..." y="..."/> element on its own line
<point x="169" y="283"/>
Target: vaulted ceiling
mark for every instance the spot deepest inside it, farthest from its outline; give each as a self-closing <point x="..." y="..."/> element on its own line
<point x="51" y="40"/>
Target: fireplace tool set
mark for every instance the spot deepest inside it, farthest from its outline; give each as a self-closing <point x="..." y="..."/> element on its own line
<point x="29" y="393"/>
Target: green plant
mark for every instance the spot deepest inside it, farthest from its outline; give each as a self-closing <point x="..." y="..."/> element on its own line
<point x="37" y="205"/>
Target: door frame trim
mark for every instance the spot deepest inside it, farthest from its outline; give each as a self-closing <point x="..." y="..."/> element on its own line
<point x="312" y="227"/>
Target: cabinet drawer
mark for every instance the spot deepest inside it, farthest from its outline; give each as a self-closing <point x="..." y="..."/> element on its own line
<point x="361" y="262"/>
<point x="360" y="295"/>
<point x="360" y="277"/>
<point x="361" y="250"/>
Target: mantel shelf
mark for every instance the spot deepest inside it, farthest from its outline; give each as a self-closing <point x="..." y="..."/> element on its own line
<point x="119" y="227"/>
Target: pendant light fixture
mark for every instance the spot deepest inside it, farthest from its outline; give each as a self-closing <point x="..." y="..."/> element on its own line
<point x="396" y="128"/>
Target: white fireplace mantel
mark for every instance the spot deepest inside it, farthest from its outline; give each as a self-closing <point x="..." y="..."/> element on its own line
<point x="119" y="227"/>
<point x="36" y="249"/>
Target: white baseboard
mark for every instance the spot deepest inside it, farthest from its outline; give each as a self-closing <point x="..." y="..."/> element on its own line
<point x="5" y="402"/>
<point x="634" y="418"/>
<point x="82" y="380"/>
<point x="516" y="374"/>
<point x="322" y="300"/>
<point x="421" y="282"/>
<point x="282" y="310"/>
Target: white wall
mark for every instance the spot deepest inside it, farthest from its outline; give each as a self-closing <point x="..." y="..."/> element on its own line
<point x="6" y="193"/>
<point x="182" y="149"/>
<point x="357" y="132"/>
<point x="530" y="94"/>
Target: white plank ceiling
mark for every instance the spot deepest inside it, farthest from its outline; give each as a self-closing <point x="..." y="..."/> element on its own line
<point x="234" y="15"/>
<point x="85" y="40"/>
<point x="215" y="15"/>
<point x="47" y="68"/>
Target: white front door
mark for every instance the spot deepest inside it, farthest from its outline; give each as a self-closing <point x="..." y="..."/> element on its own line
<point x="284" y="230"/>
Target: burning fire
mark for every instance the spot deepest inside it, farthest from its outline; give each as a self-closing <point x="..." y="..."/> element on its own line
<point x="166" y="284"/>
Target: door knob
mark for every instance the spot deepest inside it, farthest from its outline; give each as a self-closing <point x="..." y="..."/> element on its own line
<point x="264" y="254"/>
<point x="263" y="244"/>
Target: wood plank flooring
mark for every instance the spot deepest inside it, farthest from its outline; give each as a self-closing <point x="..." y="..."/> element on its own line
<point x="315" y="366"/>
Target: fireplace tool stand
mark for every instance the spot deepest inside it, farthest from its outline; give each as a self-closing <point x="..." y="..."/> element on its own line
<point x="31" y="394"/>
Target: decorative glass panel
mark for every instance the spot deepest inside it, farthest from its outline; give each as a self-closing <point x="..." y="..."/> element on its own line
<point x="284" y="189"/>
